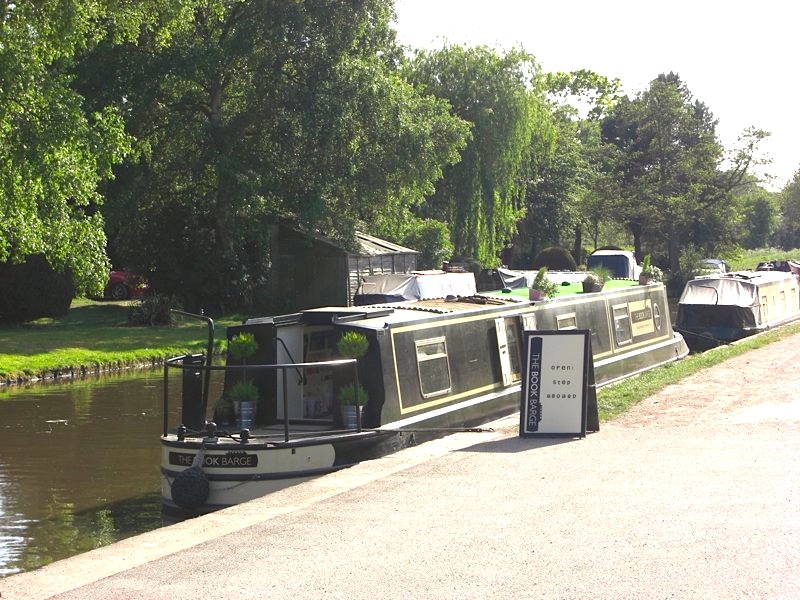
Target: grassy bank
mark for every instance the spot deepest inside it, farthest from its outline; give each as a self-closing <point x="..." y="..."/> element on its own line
<point x="95" y="336"/>
<point x="748" y="259"/>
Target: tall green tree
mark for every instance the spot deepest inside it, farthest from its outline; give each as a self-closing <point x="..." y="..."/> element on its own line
<point x="53" y="151"/>
<point x="760" y="215"/>
<point x="560" y="198"/>
<point x="265" y="110"/>
<point x="481" y="198"/>
<point x="669" y="166"/>
<point x="552" y="198"/>
<point x="788" y="233"/>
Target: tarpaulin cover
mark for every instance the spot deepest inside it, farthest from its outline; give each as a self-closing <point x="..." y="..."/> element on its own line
<point x="413" y="286"/>
<point x="720" y="291"/>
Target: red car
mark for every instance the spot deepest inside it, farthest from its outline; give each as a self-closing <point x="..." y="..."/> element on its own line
<point x="123" y="285"/>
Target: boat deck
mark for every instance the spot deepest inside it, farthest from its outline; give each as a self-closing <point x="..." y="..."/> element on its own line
<point x="567" y="288"/>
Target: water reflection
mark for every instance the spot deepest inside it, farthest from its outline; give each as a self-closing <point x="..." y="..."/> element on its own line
<point x="78" y="466"/>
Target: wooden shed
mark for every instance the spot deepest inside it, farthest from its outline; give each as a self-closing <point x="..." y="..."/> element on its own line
<point x="310" y="271"/>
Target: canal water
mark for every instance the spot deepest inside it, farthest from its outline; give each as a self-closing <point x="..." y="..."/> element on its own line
<point x="79" y="466"/>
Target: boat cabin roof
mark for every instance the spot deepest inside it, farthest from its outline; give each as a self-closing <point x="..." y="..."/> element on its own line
<point x="380" y="316"/>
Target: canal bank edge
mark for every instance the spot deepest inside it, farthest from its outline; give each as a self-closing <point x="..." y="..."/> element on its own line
<point x="83" y="569"/>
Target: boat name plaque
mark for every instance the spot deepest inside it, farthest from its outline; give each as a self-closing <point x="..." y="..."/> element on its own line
<point x="230" y="460"/>
<point x="555" y="384"/>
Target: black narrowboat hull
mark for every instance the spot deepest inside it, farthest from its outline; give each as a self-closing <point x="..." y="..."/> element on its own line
<point x="431" y="368"/>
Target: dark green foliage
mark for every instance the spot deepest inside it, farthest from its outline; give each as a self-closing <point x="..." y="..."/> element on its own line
<point x="788" y="234"/>
<point x="264" y="111"/>
<point x="664" y="157"/>
<point x="432" y="240"/>
<point x="555" y="193"/>
<point x="153" y="310"/>
<point x="33" y="290"/>
<point x="555" y="259"/>
<point x="54" y="148"/>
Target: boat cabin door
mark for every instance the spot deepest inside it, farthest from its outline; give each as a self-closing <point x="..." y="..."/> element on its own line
<point x="290" y="350"/>
<point x="509" y="345"/>
<point x="310" y="392"/>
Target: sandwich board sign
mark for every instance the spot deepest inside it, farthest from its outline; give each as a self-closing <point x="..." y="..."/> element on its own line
<point x="555" y="383"/>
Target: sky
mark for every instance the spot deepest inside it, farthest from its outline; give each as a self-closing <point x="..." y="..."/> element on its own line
<point x="739" y="59"/>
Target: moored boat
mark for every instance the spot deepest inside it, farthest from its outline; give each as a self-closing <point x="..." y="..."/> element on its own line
<point x="724" y="308"/>
<point x="431" y="366"/>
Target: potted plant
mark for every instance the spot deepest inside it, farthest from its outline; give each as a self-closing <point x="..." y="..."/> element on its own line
<point x="352" y="345"/>
<point x="244" y="394"/>
<point x="650" y="273"/>
<point x="596" y="279"/>
<point x="352" y="403"/>
<point x="242" y="346"/>
<point x="542" y="286"/>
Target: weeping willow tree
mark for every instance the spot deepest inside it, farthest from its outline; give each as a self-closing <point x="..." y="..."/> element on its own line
<point x="482" y="197"/>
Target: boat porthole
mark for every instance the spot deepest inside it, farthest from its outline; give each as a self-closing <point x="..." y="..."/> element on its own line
<point x="657" y="316"/>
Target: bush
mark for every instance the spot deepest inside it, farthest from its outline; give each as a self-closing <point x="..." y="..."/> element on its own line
<point x="432" y="240"/>
<point x="153" y="310"/>
<point x="33" y="290"/>
<point x="555" y="258"/>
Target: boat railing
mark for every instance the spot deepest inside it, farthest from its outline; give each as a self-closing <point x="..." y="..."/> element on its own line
<point x="195" y="387"/>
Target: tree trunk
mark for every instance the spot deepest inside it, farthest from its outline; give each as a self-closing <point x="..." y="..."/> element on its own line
<point x="636" y="231"/>
<point x="674" y="251"/>
<point x="577" y="246"/>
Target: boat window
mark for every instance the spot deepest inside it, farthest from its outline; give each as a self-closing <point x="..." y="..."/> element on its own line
<point x="568" y="321"/>
<point x="433" y="366"/>
<point x="764" y="307"/>
<point x="622" y="324"/>
<point x="657" y="316"/>
<point x="783" y="301"/>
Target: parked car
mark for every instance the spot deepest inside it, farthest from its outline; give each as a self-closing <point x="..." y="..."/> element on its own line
<point x="123" y="285"/>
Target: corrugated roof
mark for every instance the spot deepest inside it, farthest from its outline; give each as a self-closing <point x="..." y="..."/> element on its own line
<point x="372" y="246"/>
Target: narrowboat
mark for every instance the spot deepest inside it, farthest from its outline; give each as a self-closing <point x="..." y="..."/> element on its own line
<point x="430" y="366"/>
<point x="720" y="309"/>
